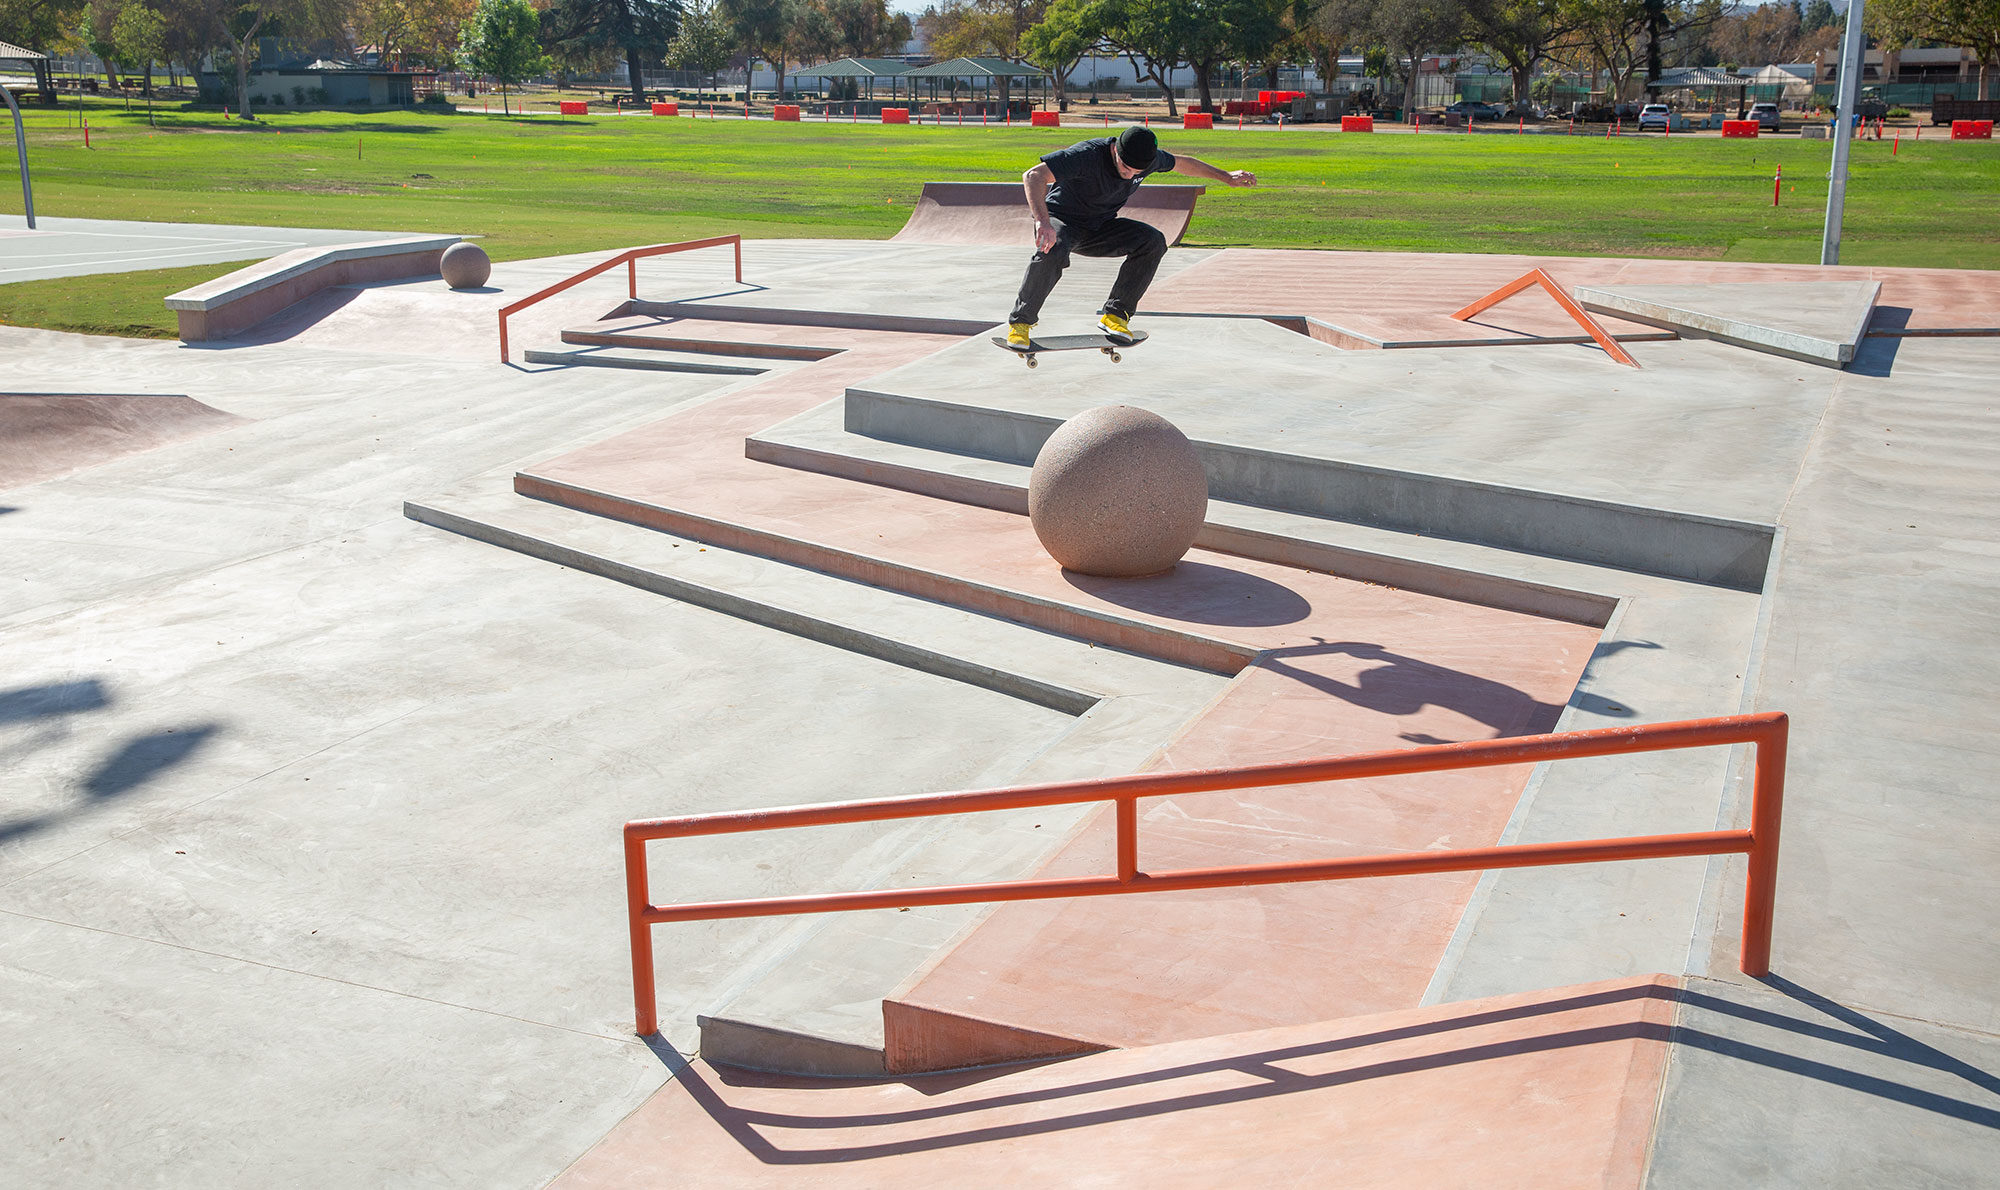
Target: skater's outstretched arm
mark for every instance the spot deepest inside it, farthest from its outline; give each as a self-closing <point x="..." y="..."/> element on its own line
<point x="1037" y="182"/>
<point x="1196" y="167"/>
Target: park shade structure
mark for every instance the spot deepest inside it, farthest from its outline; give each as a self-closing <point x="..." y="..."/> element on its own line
<point x="14" y="58"/>
<point x="976" y="70"/>
<point x="861" y="70"/>
<point x="1704" y="79"/>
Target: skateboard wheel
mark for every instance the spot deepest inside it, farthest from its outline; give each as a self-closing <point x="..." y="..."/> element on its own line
<point x="1030" y="359"/>
<point x="1115" y="357"/>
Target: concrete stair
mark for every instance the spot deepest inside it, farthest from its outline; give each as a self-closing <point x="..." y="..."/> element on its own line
<point x="814" y="1005"/>
<point x="639" y="360"/>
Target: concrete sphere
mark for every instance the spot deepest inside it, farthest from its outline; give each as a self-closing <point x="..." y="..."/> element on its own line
<point x="465" y="266"/>
<point x="1117" y="491"/>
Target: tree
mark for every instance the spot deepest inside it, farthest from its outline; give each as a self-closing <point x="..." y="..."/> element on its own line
<point x="761" y="27"/>
<point x="1152" y="34"/>
<point x="630" y="27"/>
<point x="45" y="25"/>
<point x="1520" y="34"/>
<point x="1067" y="31"/>
<point x="1974" y="24"/>
<point x="970" y="28"/>
<point x="1818" y="15"/>
<point x="96" y="34"/>
<point x="140" y="36"/>
<point x="503" y="41"/>
<point x="704" y="43"/>
<point x="424" y="30"/>
<point x="1408" y="29"/>
<point x="245" y="21"/>
<point x="866" y="28"/>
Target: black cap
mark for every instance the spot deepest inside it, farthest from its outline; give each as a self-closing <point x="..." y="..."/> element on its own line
<point x="1137" y="146"/>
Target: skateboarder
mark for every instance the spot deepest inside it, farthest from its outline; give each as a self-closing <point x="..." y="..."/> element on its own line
<point x="1075" y="195"/>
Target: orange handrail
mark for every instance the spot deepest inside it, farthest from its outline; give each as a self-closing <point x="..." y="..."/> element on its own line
<point x="1767" y="731"/>
<point x="629" y="258"/>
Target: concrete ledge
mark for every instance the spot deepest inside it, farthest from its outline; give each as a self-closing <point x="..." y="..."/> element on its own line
<point x="1680" y="545"/>
<point x="1815" y="322"/>
<point x="805" y="443"/>
<point x="232" y="304"/>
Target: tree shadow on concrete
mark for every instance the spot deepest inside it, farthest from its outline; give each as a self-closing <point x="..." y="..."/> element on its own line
<point x="135" y="763"/>
<point x="1406" y="685"/>
<point x="1200" y="593"/>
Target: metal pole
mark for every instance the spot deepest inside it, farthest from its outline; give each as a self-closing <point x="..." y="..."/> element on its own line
<point x="21" y="149"/>
<point x="1850" y="90"/>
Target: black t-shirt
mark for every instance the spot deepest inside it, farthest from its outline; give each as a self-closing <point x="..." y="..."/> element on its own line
<point x="1088" y="191"/>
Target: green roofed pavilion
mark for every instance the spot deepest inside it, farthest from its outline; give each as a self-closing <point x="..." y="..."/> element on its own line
<point x="983" y="70"/>
<point x="860" y="70"/>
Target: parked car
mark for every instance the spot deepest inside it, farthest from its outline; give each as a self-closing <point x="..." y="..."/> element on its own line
<point x="1766" y="115"/>
<point x="1471" y="110"/>
<point x="1655" y="115"/>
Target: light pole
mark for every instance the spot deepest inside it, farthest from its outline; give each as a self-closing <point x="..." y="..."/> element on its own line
<point x="1843" y="134"/>
<point x="21" y="147"/>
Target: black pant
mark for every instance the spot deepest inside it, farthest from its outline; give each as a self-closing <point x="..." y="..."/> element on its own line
<point x="1141" y="245"/>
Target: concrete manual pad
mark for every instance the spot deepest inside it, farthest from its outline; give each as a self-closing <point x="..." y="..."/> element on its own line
<point x="1821" y="322"/>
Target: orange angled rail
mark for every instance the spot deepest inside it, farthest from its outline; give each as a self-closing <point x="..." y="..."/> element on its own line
<point x="630" y="259"/>
<point x="1767" y="732"/>
<point x="1583" y="319"/>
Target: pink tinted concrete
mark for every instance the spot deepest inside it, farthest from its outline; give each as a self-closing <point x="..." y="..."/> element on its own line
<point x="997" y="213"/>
<point x="1124" y="971"/>
<point x="1340" y="666"/>
<point x="43" y="435"/>
<point x="1408" y="297"/>
<point x="1544" y="1091"/>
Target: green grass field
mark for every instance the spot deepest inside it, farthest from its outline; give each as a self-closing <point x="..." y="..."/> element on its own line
<point x="542" y="185"/>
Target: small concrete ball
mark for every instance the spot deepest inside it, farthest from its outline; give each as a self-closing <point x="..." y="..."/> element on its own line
<point x="465" y="266"/>
<point x="1118" y="492"/>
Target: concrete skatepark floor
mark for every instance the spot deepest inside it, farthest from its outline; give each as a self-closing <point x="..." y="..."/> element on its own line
<point x="308" y="869"/>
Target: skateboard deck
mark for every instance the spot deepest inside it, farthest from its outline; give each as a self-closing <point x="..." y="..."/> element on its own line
<point x="1097" y="342"/>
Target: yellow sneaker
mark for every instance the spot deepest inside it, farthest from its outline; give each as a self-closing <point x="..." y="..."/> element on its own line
<point x="1017" y="333"/>
<point x="1115" y="326"/>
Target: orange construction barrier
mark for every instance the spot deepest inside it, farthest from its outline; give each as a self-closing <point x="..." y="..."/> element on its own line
<point x="1357" y="123"/>
<point x="895" y="115"/>
<point x="1197" y="120"/>
<point x="575" y="107"/>
<point x="1045" y="119"/>
<point x="1740" y="128"/>
<point x="786" y="111"/>
<point x="666" y="109"/>
<point x="1972" y="130"/>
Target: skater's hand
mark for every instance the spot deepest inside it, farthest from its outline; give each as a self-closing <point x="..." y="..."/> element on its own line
<point x="1242" y="177"/>
<point x="1045" y="235"/>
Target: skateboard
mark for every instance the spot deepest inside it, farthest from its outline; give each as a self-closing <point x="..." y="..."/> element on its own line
<point x="1097" y="342"/>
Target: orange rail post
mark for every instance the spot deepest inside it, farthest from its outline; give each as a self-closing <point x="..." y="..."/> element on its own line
<point x="1768" y="732"/>
<point x="629" y="258"/>
<point x="1767" y="812"/>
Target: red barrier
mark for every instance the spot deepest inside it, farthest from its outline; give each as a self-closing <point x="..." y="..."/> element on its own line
<point x="1357" y="123"/>
<point x="1972" y="130"/>
<point x="786" y="111"/>
<point x="1045" y="119"/>
<point x="575" y="107"/>
<point x="1739" y="128"/>
<point x="666" y="109"/>
<point x="895" y="115"/>
<point x="1197" y="120"/>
